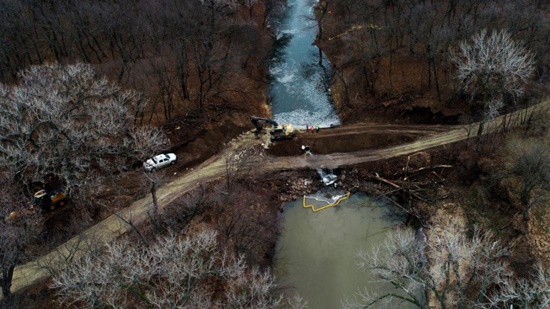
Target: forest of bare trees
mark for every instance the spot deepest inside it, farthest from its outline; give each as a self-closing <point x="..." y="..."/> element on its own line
<point x="465" y="271"/>
<point x="66" y="68"/>
<point x="64" y="121"/>
<point x="222" y="262"/>
<point x="181" y="54"/>
<point x="408" y="48"/>
<point x="174" y="272"/>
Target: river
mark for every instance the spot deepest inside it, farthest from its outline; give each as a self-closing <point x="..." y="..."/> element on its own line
<point x="300" y="92"/>
<point x="315" y="254"/>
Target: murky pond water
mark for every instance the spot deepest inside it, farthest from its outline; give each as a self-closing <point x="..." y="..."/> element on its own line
<point x="316" y="250"/>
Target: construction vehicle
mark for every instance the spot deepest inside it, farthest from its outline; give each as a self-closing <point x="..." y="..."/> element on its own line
<point x="50" y="200"/>
<point x="277" y="133"/>
<point x="44" y="201"/>
<point x="48" y="197"/>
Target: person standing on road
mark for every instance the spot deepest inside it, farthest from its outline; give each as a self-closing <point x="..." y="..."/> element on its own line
<point x="317" y="128"/>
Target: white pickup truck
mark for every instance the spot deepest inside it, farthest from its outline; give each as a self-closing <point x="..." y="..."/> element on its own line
<point x="159" y="161"/>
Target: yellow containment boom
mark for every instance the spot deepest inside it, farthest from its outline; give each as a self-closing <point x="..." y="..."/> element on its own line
<point x="326" y="206"/>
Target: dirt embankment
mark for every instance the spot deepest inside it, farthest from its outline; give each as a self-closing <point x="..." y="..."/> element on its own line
<point x="352" y="138"/>
<point x="386" y="83"/>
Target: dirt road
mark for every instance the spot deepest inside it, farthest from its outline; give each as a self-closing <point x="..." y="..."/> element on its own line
<point x="249" y="150"/>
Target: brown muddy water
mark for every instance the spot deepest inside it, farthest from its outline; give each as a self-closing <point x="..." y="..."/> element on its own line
<point x="316" y="252"/>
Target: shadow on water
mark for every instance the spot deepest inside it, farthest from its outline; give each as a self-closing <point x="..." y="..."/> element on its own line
<point x="278" y="54"/>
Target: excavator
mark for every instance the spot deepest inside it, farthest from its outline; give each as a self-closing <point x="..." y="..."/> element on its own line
<point x="277" y="133"/>
<point x="50" y="200"/>
<point x="44" y="202"/>
<point x="50" y="197"/>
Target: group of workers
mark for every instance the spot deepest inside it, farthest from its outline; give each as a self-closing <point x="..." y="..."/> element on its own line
<point x="313" y="128"/>
<point x="306" y="149"/>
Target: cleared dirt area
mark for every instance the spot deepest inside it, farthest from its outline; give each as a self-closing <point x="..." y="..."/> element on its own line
<point x="354" y="138"/>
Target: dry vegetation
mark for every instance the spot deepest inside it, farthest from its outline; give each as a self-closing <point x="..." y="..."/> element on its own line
<point x="202" y="66"/>
<point x="393" y="60"/>
<point x="438" y="62"/>
<point x="199" y="67"/>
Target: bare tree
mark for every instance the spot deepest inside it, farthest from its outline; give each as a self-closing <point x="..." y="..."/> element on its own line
<point x="450" y="271"/>
<point x="155" y="179"/>
<point x="530" y="160"/>
<point x="15" y="50"/>
<point x="321" y="11"/>
<point x="492" y="67"/>
<point x="532" y="292"/>
<point x="246" y="227"/>
<point x="175" y="272"/>
<point x="66" y="121"/>
<point x="207" y="52"/>
<point x="177" y="215"/>
<point x="366" y="57"/>
<point x="18" y="226"/>
<point x="250" y="5"/>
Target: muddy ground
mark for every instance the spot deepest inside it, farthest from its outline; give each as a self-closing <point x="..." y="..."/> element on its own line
<point x="352" y="138"/>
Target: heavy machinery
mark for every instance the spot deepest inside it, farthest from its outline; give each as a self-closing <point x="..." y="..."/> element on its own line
<point x="49" y="197"/>
<point x="44" y="201"/>
<point x="277" y="133"/>
<point x="50" y="200"/>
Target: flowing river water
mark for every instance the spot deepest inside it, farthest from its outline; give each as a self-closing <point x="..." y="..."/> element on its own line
<point x="300" y="84"/>
<point x="316" y="250"/>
